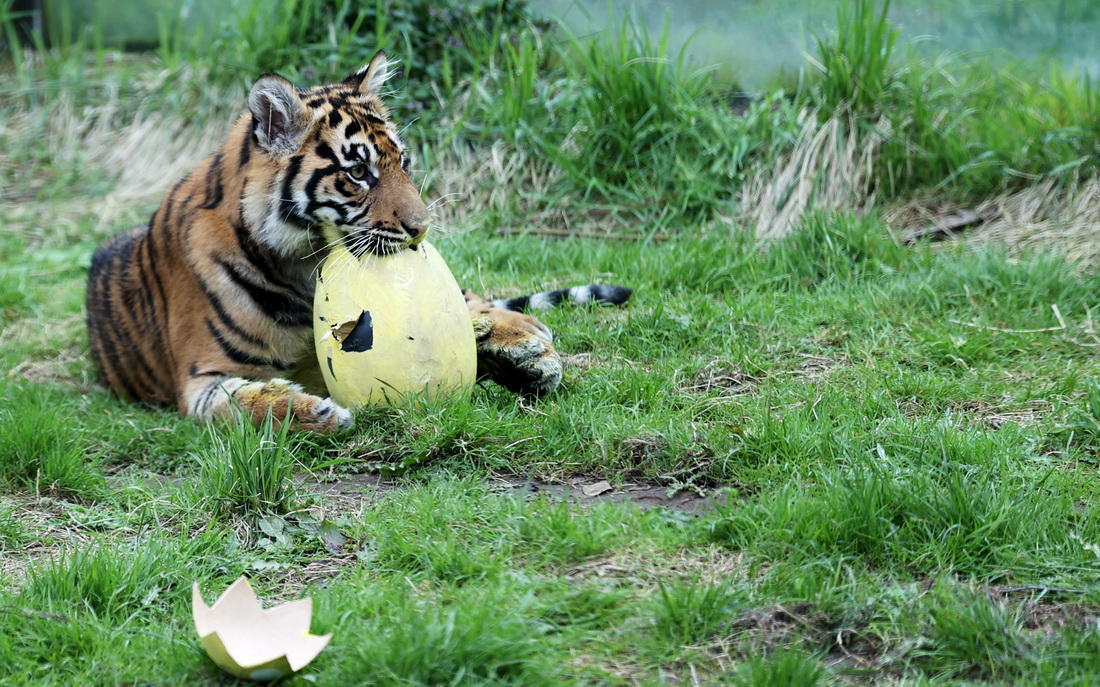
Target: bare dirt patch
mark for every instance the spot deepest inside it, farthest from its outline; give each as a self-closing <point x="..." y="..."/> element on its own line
<point x="1044" y="614"/>
<point x="723" y="378"/>
<point x="46" y="522"/>
<point x="985" y="413"/>
<point x="352" y="492"/>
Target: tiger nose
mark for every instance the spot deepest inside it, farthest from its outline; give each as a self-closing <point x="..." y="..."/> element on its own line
<point x="415" y="230"/>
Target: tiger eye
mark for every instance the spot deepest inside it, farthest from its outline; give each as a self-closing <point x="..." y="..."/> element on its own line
<point x="358" y="172"/>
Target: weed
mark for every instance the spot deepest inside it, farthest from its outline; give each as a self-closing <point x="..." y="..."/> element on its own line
<point x="458" y="637"/>
<point x="691" y="612"/>
<point x="249" y="469"/>
<point x="13" y="533"/>
<point x="857" y="64"/>
<point x="971" y="635"/>
<point x="1082" y="427"/>
<point x="643" y="109"/>
<point x="789" y="668"/>
<point x="39" y="450"/>
<point x="115" y="581"/>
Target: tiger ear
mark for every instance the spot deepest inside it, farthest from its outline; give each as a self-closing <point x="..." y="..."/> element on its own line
<point x="373" y="76"/>
<point x="280" y="117"/>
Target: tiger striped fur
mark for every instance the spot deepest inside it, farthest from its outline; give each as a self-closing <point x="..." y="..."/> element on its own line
<point x="208" y="307"/>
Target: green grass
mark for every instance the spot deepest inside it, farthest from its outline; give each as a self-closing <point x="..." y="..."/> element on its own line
<point x="39" y="451"/>
<point x="248" y="468"/>
<point x="904" y="439"/>
<point x="870" y="437"/>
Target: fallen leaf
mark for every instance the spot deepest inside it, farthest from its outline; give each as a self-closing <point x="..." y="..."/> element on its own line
<point x="596" y="489"/>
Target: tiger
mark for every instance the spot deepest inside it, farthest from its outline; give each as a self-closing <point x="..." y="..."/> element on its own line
<point x="208" y="306"/>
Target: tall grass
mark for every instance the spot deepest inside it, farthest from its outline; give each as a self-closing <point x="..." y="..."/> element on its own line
<point x="249" y="469"/>
<point x="857" y="64"/>
<point x="118" y="581"/>
<point x="970" y="126"/>
<point x="619" y="119"/>
<point x="644" y="132"/>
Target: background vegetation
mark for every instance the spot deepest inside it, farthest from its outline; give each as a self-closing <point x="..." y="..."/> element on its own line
<point x="902" y="438"/>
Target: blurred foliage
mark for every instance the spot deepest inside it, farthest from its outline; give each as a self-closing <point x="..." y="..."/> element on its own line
<point x="436" y="44"/>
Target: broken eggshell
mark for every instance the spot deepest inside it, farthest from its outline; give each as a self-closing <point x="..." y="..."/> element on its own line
<point x="389" y="326"/>
<point x="248" y="642"/>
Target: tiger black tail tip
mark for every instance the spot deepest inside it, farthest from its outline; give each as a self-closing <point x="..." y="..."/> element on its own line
<point x="590" y="293"/>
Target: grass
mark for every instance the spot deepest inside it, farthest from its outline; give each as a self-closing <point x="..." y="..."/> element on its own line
<point x="879" y="422"/>
<point x="39" y="451"/>
<point x="247" y="468"/>
<point x="903" y="438"/>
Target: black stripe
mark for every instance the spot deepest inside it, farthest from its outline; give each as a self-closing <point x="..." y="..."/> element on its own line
<point x="240" y="357"/>
<point x="194" y="371"/>
<point x="355" y="151"/>
<point x="315" y="180"/>
<point x="325" y="150"/>
<point x="118" y="255"/>
<point x="202" y="403"/>
<point x="160" y="314"/>
<point x="346" y="188"/>
<point x="288" y="208"/>
<point x="167" y="223"/>
<point x="517" y="303"/>
<point x="145" y="292"/>
<point x="614" y="295"/>
<point x="133" y="387"/>
<point x="353" y="220"/>
<point x="255" y="253"/>
<point x="284" y="308"/>
<point x="245" y="152"/>
<point x="214" y="191"/>
<point x="340" y="208"/>
<point x="228" y="321"/>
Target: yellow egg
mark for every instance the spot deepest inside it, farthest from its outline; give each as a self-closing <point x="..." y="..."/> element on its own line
<point x="390" y="326"/>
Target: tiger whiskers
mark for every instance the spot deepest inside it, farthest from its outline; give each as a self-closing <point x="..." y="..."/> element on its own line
<point x="442" y="200"/>
<point x="327" y="247"/>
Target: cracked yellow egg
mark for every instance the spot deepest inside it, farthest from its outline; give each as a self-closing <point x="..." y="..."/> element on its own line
<point x="390" y="326"/>
<point x="251" y="643"/>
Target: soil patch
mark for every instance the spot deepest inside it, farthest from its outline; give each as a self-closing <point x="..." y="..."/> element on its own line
<point x="365" y="487"/>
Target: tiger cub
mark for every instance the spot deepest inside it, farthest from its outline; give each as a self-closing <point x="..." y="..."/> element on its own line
<point x="209" y="306"/>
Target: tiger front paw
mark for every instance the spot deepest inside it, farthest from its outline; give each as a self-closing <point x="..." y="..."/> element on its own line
<point x="283" y="398"/>
<point x="515" y="351"/>
<point x="209" y="398"/>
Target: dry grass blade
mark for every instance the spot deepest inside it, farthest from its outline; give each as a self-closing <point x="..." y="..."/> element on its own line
<point x="1053" y="214"/>
<point x="828" y="168"/>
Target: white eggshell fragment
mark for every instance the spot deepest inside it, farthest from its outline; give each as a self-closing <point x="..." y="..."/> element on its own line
<point x="251" y="643"/>
<point x="391" y="326"/>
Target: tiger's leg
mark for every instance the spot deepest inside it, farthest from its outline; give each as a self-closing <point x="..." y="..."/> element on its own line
<point x="513" y="349"/>
<point x="216" y="396"/>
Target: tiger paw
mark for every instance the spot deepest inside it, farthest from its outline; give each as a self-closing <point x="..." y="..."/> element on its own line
<point x="282" y="398"/>
<point x="515" y="351"/>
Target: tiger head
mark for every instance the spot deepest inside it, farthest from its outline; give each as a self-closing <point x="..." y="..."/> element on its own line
<point x="336" y="170"/>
